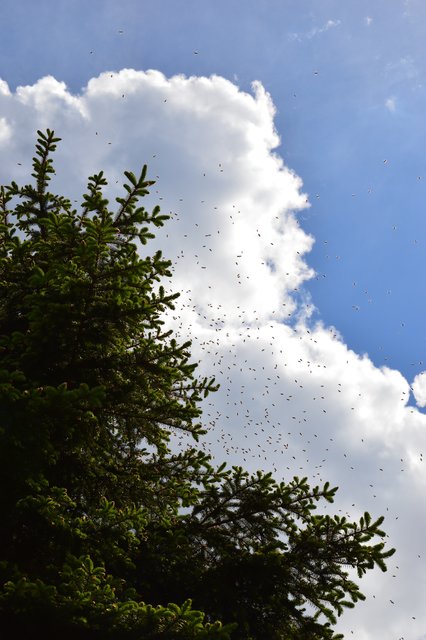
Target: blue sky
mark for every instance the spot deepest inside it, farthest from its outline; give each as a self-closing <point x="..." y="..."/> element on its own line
<point x="347" y="94"/>
<point x="348" y="83"/>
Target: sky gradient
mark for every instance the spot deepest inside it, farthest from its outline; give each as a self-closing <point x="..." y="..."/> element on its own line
<point x="287" y="140"/>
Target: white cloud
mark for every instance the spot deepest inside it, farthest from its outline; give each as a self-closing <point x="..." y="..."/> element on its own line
<point x="419" y="389"/>
<point x="5" y="130"/>
<point x="4" y="88"/>
<point x="368" y="20"/>
<point x="289" y="386"/>
<point x="315" y="31"/>
<point x="390" y="104"/>
<point x="48" y="96"/>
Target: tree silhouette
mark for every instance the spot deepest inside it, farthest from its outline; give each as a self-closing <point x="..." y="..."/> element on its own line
<point x="105" y="530"/>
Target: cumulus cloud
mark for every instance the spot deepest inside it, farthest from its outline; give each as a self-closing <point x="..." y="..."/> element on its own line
<point x="294" y="398"/>
<point x="419" y="389"/>
<point x="5" y="130"/>
<point x="4" y="88"/>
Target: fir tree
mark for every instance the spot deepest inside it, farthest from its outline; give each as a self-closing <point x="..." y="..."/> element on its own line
<point x="105" y="531"/>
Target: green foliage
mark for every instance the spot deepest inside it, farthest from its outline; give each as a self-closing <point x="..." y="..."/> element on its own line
<point x="104" y="528"/>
